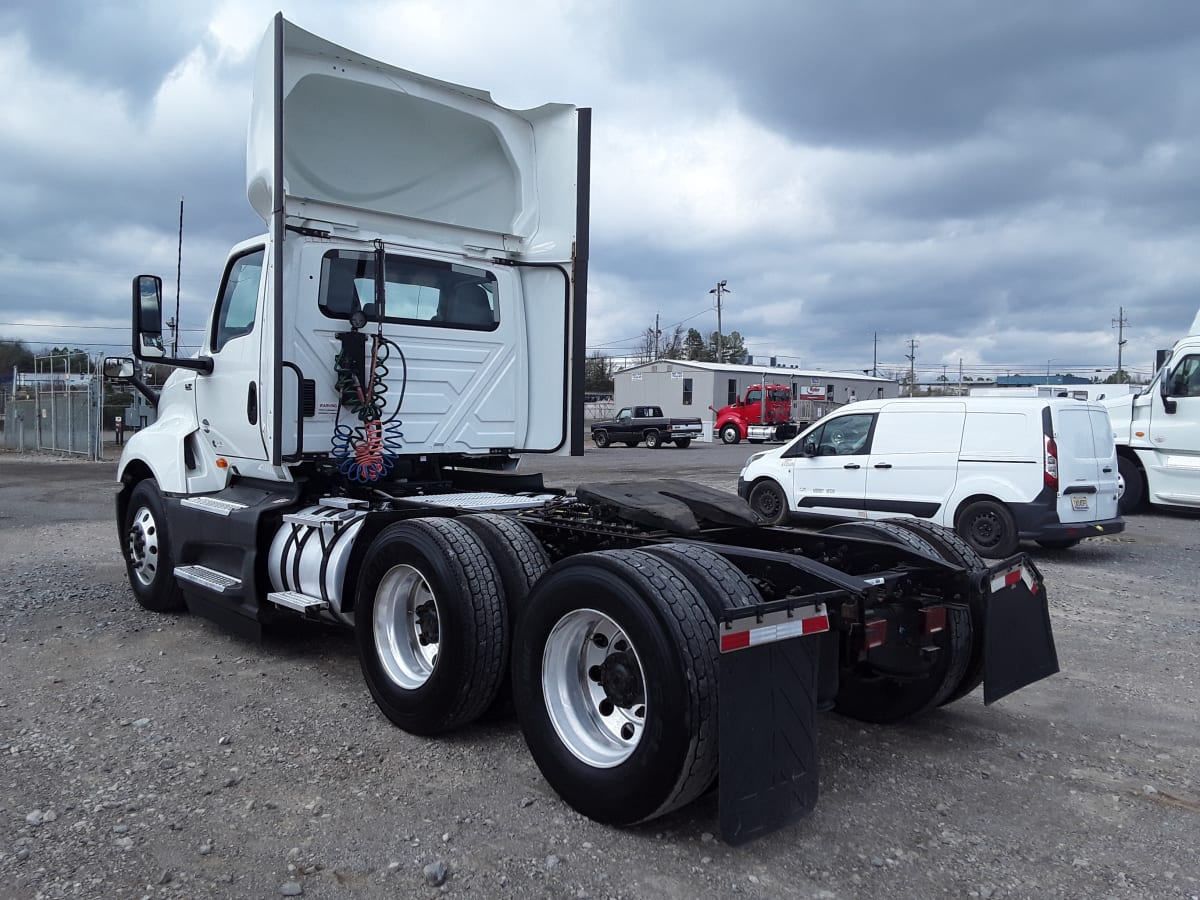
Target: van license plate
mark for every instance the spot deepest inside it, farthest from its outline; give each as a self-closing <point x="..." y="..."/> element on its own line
<point x="1079" y="501"/>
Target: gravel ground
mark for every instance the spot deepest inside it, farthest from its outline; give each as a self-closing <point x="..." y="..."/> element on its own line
<point x="157" y="756"/>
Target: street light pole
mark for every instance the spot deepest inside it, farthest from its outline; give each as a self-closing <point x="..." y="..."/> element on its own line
<point x="719" y="290"/>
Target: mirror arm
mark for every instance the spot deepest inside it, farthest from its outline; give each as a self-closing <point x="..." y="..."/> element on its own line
<point x="144" y="389"/>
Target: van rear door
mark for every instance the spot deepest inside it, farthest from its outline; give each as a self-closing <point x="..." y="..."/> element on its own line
<point x="1081" y="457"/>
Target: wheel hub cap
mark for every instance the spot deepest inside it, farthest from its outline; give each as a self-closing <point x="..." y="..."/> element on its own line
<point x="407" y="628"/>
<point x="143" y="546"/>
<point x="594" y="688"/>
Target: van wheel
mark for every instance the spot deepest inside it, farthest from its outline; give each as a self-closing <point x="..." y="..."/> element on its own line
<point x="768" y="500"/>
<point x="600" y="439"/>
<point x="989" y="528"/>
<point x="730" y="434"/>
<point x="1135" y="487"/>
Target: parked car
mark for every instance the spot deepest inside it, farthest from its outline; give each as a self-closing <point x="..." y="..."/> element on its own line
<point x="635" y="424"/>
<point x="996" y="469"/>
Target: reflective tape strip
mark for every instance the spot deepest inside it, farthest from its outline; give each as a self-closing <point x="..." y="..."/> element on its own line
<point x="1011" y="577"/>
<point x="750" y="632"/>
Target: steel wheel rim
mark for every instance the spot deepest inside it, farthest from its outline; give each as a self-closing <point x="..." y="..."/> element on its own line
<point x="143" y="546"/>
<point x="769" y="503"/>
<point x="986" y="529"/>
<point x="407" y="627"/>
<point x="588" y="661"/>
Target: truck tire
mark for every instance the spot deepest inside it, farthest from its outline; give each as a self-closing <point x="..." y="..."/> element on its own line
<point x="615" y="682"/>
<point x="871" y="697"/>
<point x="719" y="582"/>
<point x="653" y="439"/>
<point x="730" y="434"/>
<point x="146" y="545"/>
<point x="521" y="560"/>
<point x="957" y="551"/>
<point x="1135" y="486"/>
<point x="600" y="438"/>
<point x="431" y="625"/>
<point x="683" y="443"/>
<point x="988" y="527"/>
<point x="769" y="501"/>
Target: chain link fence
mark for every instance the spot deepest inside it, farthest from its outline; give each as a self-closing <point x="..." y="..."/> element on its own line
<point x="56" y="408"/>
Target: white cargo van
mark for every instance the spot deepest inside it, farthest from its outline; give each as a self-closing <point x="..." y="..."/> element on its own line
<point x="996" y="469"/>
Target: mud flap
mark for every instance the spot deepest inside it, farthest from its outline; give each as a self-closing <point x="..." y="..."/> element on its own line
<point x="1019" y="643"/>
<point x="768" y="734"/>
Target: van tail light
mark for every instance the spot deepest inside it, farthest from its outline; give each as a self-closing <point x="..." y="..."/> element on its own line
<point x="1051" y="470"/>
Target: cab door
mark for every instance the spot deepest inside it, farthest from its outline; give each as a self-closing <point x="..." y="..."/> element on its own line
<point x="1175" y="436"/>
<point x="828" y="466"/>
<point x="229" y="400"/>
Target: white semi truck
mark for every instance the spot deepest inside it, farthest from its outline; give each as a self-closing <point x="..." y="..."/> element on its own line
<point x="1157" y="432"/>
<point x="344" y="447"/>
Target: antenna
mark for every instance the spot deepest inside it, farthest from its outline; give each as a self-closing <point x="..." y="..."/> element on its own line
<point x="178" y="270"/>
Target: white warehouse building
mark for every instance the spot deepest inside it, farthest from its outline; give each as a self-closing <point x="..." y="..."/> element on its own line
<point x="688" y="388"/>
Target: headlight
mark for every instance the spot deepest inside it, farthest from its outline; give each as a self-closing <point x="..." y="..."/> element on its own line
<point x="754" y="458"/>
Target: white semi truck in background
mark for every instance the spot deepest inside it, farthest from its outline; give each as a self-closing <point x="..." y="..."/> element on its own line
<point x="344" y="447"/>
<point x="1157" y="432"/>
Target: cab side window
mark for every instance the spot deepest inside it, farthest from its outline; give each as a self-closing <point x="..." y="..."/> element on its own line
<point x="1185" y="380"/>
<point x="844" y="436"/>
<point x="239" y="299"/>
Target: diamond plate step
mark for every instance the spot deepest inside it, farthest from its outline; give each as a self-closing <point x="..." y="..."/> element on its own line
<point x="217" y="582"/>
<point x="212" y="505"/>
<point x="302" y="603"/>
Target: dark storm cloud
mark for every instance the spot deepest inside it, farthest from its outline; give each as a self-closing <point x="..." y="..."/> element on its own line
<point x="128" y="46"/>
<point x="923" y="73"/>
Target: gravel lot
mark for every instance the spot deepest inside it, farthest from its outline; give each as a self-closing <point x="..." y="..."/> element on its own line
<point x="157" y="756"/>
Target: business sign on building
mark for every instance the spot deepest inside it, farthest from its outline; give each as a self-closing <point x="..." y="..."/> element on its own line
<point x="812" y="392"/>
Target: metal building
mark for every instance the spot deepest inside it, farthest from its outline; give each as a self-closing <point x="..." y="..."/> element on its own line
<point x="688" y="388"/>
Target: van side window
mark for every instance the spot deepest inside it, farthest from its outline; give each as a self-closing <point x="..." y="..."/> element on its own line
<point x="843" y="436"/>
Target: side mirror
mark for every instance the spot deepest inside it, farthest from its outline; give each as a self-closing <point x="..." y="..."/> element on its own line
<point x="1164" y="390"/>
<point x="118" y="368"/>
<point x="147" y="317"/>
<point x="810" y="448"/>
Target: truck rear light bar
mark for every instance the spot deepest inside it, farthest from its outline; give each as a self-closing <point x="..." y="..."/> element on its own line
<point x="876" y="633"/>
<point x="753" y="630"/>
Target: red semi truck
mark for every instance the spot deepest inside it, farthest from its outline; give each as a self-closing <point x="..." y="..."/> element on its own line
<point x="763" y="415"/>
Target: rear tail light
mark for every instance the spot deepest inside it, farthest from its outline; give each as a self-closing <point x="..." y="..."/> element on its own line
<point x="876" y="635"/>
<point x="934" y="619"/>
<point x="1051" y="470"/>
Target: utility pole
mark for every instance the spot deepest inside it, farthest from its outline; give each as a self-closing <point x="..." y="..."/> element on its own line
<point x="911" y="356"/>
<point x="875" y="357"/>
<point x="1119" y="323"/>
<point x="719" y="290"/>
<point x="656" y="334"/>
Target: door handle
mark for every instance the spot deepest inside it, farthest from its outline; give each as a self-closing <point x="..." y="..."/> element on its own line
<point x="1107" y="470"/>
<point x="252" y="403"/>
<point x="851" y="466"/>
<point x="883" y="465"/>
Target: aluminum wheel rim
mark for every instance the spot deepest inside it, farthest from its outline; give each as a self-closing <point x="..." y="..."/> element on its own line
<point x="598" y="731"/>
<point x="407" y="627"/>
<point x="143" y="546"/>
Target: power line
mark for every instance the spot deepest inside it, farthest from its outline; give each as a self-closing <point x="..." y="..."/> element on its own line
<point x="65" y="325"/>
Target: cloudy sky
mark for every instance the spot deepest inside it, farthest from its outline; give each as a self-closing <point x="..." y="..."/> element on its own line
<point x="995" y="180"/>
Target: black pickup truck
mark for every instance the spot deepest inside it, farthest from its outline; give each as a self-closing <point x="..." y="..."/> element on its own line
<point x="635" y="424"/>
